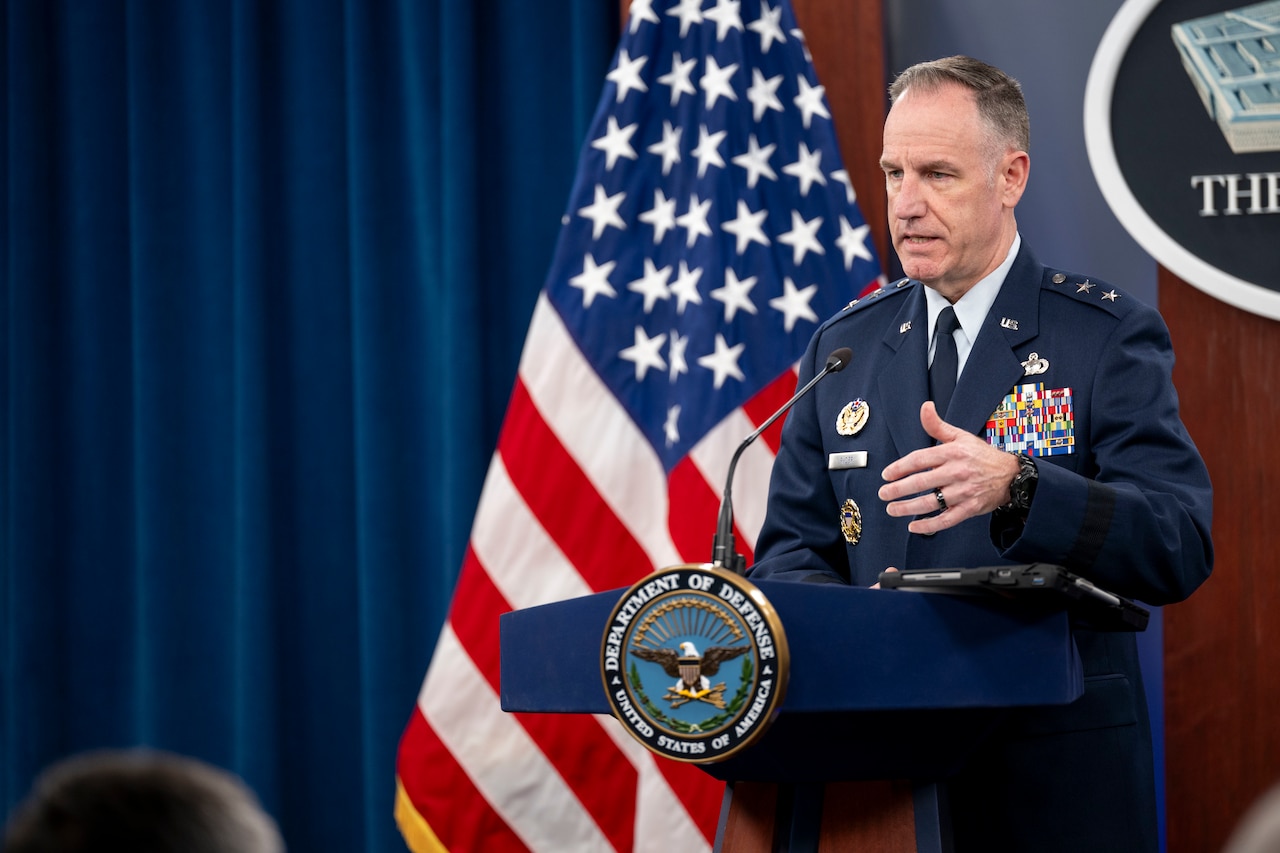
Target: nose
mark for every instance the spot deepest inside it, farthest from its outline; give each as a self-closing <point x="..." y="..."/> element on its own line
<point x="907" y="200"/>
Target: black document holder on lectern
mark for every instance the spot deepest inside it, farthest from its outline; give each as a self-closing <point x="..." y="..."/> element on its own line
<point x="884" y="685"/>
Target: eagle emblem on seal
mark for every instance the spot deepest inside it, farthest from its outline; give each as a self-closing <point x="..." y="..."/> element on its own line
<point x="690" y="669"/>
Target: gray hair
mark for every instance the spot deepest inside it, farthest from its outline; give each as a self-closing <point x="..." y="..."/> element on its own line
<point x="999" y="96"/>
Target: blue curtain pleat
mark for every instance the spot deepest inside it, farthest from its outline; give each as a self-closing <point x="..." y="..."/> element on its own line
<point x="258" y="704"/>
<point x="267" y="271"/>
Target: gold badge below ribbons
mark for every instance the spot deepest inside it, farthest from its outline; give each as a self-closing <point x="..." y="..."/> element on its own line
<point x="851" y="522"/>
<point x="852" y="417"/>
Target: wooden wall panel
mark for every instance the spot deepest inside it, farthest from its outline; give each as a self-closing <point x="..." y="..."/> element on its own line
<point x="1222" y="646"/>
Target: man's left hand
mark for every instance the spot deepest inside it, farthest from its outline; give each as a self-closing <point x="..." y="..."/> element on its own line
<point x="972" y="476"/>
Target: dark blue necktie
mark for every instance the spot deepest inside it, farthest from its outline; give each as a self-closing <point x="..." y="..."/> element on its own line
<point x="946" y="362"/>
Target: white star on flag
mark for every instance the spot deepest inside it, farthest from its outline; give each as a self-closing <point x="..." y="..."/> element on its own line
<point x="616" y="143"/>
<point x="716" y="83"/>
<point x="685" y="288"/>
<point x="756" y="161"/>
<point x="726" y="16"/>
<point x="767" y="26"/>
<point x="811" y="101"/>
<point x="680" y="78"/>
<point x="672" y="425"/>
<point x="794" y="304"/>
<point x="763" y="94"/>
<point x="803" y="237"/>
<point x="626" y="74"/>
<point x="842" y="175"/>
<point x="853" y="242"/>
<point x="669" y="147"/>
<point x="689" y="12"/>
<point x="652" y="285"/>
<point x="806" y="169"/>
<point x="694" y="220"/>
<point x="676" y="351"/>
<point x="603" y="212"/>
<point x="593" y="281"/>
<point x="708" y="151"/>
<point x="645" y="353"/>
<point x="747" y="227"/>
<point x="641" y="11"/>
<point x="734" y="294"/>
<point x="662" y="216"/>
<point x="723" y="362"/>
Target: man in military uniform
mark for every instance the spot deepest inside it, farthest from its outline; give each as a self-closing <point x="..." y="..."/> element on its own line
<point x="998" y="411"/>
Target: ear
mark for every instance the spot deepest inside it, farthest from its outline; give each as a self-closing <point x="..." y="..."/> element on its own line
<point x="1015" y="169"/>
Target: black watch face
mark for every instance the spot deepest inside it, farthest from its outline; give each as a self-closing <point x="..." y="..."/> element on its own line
<point x="1023" y="485"/>
<point x="1026" y="489"/>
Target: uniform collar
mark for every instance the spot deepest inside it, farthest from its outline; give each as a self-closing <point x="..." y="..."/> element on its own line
<point x="971" y="309"/>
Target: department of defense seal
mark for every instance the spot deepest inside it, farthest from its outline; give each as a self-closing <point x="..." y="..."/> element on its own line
<point x="695" y="663"/>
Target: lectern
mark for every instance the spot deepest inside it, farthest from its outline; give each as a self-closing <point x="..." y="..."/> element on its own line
<point x="888" y="692"/>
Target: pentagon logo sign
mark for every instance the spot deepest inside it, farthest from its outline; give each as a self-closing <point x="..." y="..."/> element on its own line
<point x="1182" y="126"/>
<point x="695" y="663"/>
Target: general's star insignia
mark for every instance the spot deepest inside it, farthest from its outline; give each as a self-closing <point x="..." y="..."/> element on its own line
<point x="1085" y="286"/>
<point x="1111" y="296"/>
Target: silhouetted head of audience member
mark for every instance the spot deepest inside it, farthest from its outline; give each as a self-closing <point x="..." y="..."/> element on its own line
<point x="139" y="800"/>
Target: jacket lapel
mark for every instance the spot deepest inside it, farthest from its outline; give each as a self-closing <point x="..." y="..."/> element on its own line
<point x="904" y="380"/>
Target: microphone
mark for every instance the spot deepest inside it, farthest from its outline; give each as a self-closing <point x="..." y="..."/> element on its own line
<point x="724" y="554"/>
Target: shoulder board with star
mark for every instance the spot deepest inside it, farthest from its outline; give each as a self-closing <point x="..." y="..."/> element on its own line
<point x="880" y="294"/>
<point x="1083" y="289"/>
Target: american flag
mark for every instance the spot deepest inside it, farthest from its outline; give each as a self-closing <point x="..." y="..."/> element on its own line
<point x="710" y="229"/>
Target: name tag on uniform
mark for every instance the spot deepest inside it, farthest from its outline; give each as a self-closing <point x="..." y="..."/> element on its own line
<point x="852" y="459"/>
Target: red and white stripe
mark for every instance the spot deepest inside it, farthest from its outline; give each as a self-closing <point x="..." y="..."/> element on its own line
<point x="575" y="502"/>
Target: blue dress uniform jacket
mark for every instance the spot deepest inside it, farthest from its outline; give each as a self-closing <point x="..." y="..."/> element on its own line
<point x="1127" y="507"/>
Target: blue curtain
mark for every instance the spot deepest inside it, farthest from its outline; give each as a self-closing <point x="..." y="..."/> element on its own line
<point x="267" y="268"/>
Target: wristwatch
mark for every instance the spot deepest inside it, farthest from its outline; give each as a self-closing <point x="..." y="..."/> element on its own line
<point x="1023" y="487"/>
